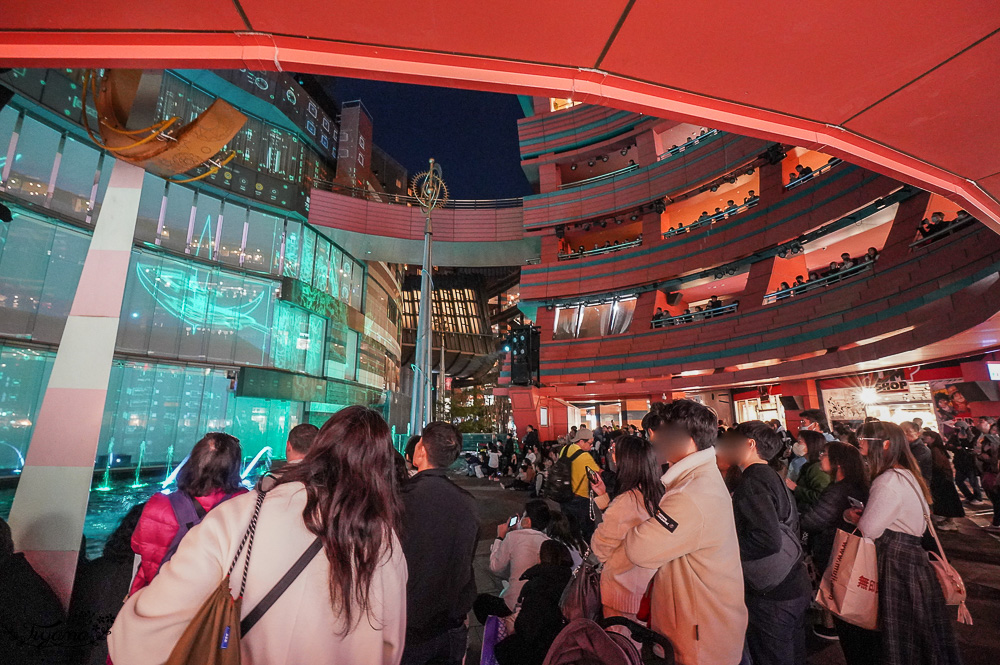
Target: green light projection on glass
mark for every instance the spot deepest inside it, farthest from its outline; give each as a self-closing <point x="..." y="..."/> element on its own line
<point x="184" y="296"/>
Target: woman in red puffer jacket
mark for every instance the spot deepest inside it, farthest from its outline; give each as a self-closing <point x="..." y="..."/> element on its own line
<point x="210" y="476"/>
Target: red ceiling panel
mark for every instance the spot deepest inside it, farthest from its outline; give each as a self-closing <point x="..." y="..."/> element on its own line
<point x="553" y="31"/>
<point x="951" y="117"/>
<point x="209" y="15"/>
<point x="823" y="61"/>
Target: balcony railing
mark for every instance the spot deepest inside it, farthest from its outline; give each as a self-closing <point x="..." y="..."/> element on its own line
<point x="728" y="212"/>
<point x="691" y="142"/>
<point x="947" y="229"/>
<point x="813" y="284"/>
<point x="405" y="199"/>
<point x="820" y="171"/>
<point x="599" y="178"/>
<point x="691" y="317"/>
<point x="563" y="256"/>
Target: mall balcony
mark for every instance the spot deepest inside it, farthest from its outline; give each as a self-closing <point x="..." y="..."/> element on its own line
<point x="906" y="303"/>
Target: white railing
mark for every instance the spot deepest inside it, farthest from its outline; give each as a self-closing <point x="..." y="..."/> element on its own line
<point x="820" y="171"/>
<point x="690" y="317"/>
<point x="813" y="284"/>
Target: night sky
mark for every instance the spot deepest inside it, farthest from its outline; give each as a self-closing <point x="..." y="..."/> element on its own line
<point x="472" y="134"/>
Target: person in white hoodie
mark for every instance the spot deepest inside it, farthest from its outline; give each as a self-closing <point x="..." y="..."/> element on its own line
<point x="697" y="595"/>
<point x="623" y="584"/>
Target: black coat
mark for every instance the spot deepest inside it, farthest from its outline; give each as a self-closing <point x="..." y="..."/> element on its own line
<point x="33" y="626"/>
<point x="439" y="535"/>
<point x="541" y="618"/>
<point x="826" y="516"/>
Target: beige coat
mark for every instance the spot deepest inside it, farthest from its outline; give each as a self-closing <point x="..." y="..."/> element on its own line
<point x="697" y="597"/>
<point x="300" y="627"/>
<point x="623" y="584"/>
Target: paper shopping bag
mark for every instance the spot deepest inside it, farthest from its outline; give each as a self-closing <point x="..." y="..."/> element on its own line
<point x="849" y="587"/>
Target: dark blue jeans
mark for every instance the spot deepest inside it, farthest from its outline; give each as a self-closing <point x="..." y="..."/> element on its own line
<point x="579" y="508"/>
<point x="445" y="649"/>
<point x="963" y="474"/>
<point x="776" y="634"/>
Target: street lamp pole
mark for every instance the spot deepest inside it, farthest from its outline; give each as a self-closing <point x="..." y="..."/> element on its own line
<point x="430" y="192"/>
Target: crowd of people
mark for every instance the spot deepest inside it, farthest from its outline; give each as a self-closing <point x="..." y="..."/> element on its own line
<point x="714" y="307"/>
<point x="713" y="536"/>
<point x="938" y="227"/>
<point x="803" y="173"/>
<point x="608" y="246"/>
<point x="692" y="140"/>
<point x="836" y="271"/>
<point x="731" y="209"/>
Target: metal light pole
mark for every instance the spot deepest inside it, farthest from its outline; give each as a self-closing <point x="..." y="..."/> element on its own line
<point x="430" y="192"/>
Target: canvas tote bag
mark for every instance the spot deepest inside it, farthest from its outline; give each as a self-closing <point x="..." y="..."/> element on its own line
<point x="849" y="587"/>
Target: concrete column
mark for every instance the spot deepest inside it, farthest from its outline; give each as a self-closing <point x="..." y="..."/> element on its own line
<point x="51" y="500"/>
<point x="549" y="177"/>
<point x="904" y="229"/>
<point x="649" y="147"/>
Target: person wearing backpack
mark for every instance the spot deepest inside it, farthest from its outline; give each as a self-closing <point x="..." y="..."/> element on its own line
<point x="210" y="475"/>
<point x="568" y="483"/>
<point x="322" y="545"/>
<point x="777" y="586"/>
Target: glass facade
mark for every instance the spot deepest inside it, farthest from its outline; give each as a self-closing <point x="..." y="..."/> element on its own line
<point x="455" y="311"/>
<point x="203" y="298"/>
<point x="599" y="320"/>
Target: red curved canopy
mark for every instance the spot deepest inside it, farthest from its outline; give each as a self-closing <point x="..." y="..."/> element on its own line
<point x="907" y="88"/>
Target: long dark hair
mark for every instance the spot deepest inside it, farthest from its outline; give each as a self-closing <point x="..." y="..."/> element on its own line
<point x="897" y="454"/>
<point x="847" y="459"/>
<point x="352" y="502"/>
<point x="638" y="468"/>
<point x="814" y="444"/>
<point x="214" y="464"/>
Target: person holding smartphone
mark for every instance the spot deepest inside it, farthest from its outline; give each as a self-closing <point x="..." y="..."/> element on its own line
<point x="623" y="584"/>
<point x="514" y="551"/>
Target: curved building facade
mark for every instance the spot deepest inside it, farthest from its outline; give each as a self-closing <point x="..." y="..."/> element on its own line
<point x="237" y="314"/>
<point x="681" y="260"/>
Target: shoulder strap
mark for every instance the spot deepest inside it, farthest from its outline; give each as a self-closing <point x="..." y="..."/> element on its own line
<point x="264" y="605"/>
<point x="926" y="510"/>
<point x="198" y="508"/>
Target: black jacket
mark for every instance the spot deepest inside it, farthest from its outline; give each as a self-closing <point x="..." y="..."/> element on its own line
<point x="33" y="628"/>
<point x="439" y="535"/>
<point x="541" y="618"/>
<point x="760" y="500"/>
<point x="826" y="516"/>
<point x="922" y="454"/>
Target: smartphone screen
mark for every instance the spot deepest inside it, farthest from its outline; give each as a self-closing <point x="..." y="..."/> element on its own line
<point x="592" y="475"/>
<point x="512" y="522"/>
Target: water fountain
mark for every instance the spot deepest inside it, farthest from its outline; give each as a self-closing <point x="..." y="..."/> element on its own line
<point x="172" y="476"/>
<point x="266" y="450"/>
<point x="105" y="485"/>
<point x="170" y="459"/>
<point x="20" y="457"/>
<point x="138" y="466"/>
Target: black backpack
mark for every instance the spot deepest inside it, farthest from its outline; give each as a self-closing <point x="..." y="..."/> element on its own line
<point x="559" y="484"/>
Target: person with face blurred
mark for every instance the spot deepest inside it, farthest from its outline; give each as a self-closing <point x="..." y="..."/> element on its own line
<point x="777" y="587"/>
<point x="697" y="593"/>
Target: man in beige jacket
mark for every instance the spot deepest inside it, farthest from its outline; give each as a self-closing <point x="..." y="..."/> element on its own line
<point x="697" y="597"/>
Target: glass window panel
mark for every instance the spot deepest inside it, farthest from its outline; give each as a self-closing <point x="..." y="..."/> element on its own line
<point x="253" y="321"/>
<point x="346" y="267"/>
<point x="177" y="219"/>
<point x="204" y="237"/>
<point x="321" y="271"/>
<point x="65" y="263"/>
<point x="315" y="342"/>
<point x="234" y="219"/>
<point x="293" y="247"/>
<point x="192" y="303"/>
<point x="8" y="118"/>
<point x="24" y="374"/>
<point x="263" y="238"/>
<point x="150" y="204"/>
<point x="567" y="319"/>
<point x="138" y="304"/>
<point x="33" y="161"/>
<point x="336" y="259"/>
<point x="357" y="285"/>
<point x="224" y="314"/>
<point x="107" y="163"/>
<point x="169" y="286"/>
<point x="164" y="412"/>
<point x="22" y="273"/>
<point x="75" y="180"/>
<point x="595" y="320"/>
<point x="622" y="319"/>
<point x="306" y="260"/>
